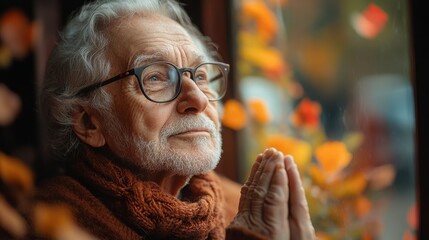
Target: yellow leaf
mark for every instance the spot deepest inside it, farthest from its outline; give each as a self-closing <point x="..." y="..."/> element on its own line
<point x="267" y="58"/>
<point x="351" y="186"/>
<point x="318" y="177"/>
<point x="266" y="22"/>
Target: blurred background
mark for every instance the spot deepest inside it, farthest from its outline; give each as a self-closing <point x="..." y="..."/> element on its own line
<point x="328" y="81"/>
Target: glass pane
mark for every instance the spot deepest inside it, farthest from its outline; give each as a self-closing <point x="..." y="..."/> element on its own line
<point x="329" y="83"/>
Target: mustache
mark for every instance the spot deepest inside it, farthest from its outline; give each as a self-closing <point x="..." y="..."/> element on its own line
<point x="189" y="122"/>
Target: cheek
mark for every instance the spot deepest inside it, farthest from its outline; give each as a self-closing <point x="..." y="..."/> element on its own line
<point x="213" y="114"/>
<point x="145" y="120"/>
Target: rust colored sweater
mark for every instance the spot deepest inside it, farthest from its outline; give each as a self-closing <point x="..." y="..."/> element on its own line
<point x="110" y="202"/>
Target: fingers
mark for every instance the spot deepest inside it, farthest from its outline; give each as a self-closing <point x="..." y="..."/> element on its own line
<point x="300" y="222"/>
<point x="245" y="199"/>
<point x="278" y="188"/>
<point x="297" y="194"/>
<point x="261" y="191"/>
<point x="265" y="195"/>
<point x="273" y="199"/>
<point x="262" y="178"/>
<point x="256" y="187"/>
<point x="275" y="209"/>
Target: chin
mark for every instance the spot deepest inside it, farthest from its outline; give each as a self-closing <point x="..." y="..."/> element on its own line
<point x="193" y="164"/>
<point x="179" y="156"/>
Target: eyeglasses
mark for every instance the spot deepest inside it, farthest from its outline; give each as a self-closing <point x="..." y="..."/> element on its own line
<point x="162" y="81"/>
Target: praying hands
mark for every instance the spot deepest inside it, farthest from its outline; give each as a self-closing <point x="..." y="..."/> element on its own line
<point x="272" y="200"/>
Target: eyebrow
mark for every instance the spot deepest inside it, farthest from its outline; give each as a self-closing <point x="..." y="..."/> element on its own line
<point x="161" y="55"/>
<point x="143" y="59"/>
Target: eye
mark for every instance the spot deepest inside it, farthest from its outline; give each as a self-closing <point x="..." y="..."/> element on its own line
<point x="201" y="77"/>
<point x="154" y="78"/>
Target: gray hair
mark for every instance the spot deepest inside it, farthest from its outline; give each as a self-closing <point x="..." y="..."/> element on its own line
<point x="80" y="59"/>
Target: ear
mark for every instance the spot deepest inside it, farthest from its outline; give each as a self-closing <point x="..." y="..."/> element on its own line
<point x="88" y="128"/>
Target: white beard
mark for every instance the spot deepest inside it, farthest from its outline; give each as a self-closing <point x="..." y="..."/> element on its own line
<point x="202" y="155"/>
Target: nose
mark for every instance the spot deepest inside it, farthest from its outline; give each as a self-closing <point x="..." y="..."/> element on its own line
<point x="191" y="99"/>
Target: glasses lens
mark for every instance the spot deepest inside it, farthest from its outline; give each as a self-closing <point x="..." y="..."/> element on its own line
<point x="211" y="79"/>
<point x="160" y="82"/>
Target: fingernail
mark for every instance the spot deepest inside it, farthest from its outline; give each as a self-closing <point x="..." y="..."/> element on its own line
<point x="289" y="161"/>
<point x="269" y="152"/>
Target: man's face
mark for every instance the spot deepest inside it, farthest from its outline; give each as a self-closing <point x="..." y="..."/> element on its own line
<point x="182" y="136"/>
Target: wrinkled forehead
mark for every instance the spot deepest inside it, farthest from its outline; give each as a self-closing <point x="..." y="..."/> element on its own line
<point x="166" y="55"/>
<point x="152" y="37"/>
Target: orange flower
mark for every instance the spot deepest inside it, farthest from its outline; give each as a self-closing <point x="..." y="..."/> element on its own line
<point x="49" y="219"/>
<point x="318" y="176"/>
<point x="350" y="186"/>
<point x="259" y="111"/>
<point x="300" y="150"/>
<point x="57" y="222"/>
<point x="362" y="206"/>
<point x="413" y="217"/>
<point x="15" y="173"/>
<point x="266" y="22"/>
<point x="333" y="157"/>
<point x="370" y="23"/>
<point x="307" y="114"/>
<point x="254" y="51"/>
<point x="353" y="185"/>
<point x="269" y="59"/>
<point x="234" y="115"/>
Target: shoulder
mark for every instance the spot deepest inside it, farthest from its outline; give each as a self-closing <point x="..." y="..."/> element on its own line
<point x="66" y="191"/>
<point x="61" y="189"/>
<point x="88" y="213"/>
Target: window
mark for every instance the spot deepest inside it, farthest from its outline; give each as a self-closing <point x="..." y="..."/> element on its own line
<point x="330" y="83"/>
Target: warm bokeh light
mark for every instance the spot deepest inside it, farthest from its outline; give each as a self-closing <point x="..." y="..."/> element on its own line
<point x="370" y="22"/>
<point x="259" y="111"/>
<point x="307" y="114"/>
<point x="258" y="11"/>
<point x="234" y="115"/>
<point x="333" y="157"/>
<point x="300" y="150"/>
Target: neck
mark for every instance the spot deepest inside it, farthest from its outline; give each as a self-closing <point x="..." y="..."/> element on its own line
<point x="147" y="201"/>
<point x="168" y="182"/>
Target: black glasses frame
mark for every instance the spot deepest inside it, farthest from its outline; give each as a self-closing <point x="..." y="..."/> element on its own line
<point x="139" y="70"/>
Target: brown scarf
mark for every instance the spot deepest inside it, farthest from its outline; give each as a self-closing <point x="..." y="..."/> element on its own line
<point x="149" y="210"/>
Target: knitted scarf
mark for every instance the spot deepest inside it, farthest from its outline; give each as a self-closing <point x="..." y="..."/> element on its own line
<point x="149" y="210"/>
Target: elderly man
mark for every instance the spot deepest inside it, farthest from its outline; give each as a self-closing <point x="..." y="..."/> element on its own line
<point x="130" y="102"/>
